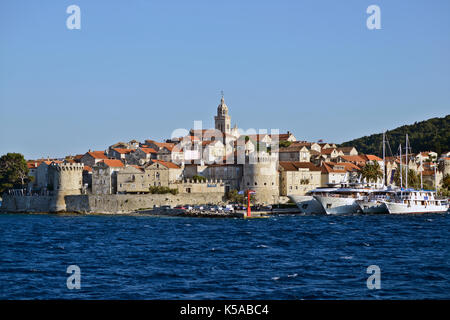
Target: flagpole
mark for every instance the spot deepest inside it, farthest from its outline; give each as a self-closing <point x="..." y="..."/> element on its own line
<point x="248" y="203"/>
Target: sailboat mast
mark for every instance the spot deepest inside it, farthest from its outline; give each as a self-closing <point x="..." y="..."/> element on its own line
<point x="401" y="171"/>
<point x="421" y="171"/>
<point x="406" y="162"/>
<point x="435" y="180"/>
<point x="384" y="160"/>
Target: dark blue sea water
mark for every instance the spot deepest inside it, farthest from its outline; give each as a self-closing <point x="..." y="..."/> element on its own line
<point x="283" y="257"/>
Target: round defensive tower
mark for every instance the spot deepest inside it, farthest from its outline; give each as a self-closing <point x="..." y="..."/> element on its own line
<point x="65" y="179"/>
<point x="260" y="174"/>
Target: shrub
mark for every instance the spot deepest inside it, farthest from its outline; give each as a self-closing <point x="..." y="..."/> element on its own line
<point x="198" y="178"/>
<point x="162" y="190"/>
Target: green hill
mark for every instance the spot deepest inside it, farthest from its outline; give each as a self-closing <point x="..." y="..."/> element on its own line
<point x="432" y="134"/>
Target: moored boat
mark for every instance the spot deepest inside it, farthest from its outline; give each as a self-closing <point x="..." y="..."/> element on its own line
<point x="412" y="201"/>
<point x="374" y="202"/>
<point x="308" y="204"/>
<point x="342" y="200"/>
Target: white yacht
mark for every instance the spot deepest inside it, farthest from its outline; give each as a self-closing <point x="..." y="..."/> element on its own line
<point x="374" y="201"/>
<point x="416" y="201"/>
<point x="342" y="200"/>
<point x="308" y="204"/>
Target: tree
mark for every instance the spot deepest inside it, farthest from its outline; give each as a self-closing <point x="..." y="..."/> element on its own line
<point x="13" y="171"/>
<point x="234" y="196"/>
<point x="413" y="178"/>
<point x="372" y="172"/>
<point x="284" y="143"/>
<point x="198" y="178"/>
<point x="446" y="182"/>
<point x="445" y="190"/>
<point x="431" y="134"/>
<point x="162" y="190"/>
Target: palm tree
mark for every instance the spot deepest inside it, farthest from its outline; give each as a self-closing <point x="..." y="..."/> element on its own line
<point x="413" y="178"/>
<point x="372" y="172"/>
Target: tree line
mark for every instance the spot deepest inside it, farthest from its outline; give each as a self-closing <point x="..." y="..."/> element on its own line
<point x="429" y="135"/>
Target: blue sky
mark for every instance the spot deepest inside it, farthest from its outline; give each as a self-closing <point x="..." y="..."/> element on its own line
<point x="140" y="69"/>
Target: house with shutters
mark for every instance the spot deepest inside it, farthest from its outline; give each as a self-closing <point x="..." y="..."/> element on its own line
<point x="91" y="158"/>
<point x="297" y="178"/>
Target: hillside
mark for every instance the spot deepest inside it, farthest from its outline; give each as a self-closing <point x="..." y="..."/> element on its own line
<point x="432" y="134"/>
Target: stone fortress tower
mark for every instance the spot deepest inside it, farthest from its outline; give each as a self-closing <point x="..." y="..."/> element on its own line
<point x="64" y="179"/>
<point x="260" y="174"/>
<point x="223" y="120"/>
<point x="259" y="171"/>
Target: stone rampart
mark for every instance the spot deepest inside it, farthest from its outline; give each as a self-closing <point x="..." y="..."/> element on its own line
<point x="114" y="203"/>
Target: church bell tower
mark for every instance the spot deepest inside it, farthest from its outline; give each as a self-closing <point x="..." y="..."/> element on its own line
<point x="223" y="120"/>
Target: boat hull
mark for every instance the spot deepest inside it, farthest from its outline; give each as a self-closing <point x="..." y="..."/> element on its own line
<point x="307" y="204"/>
<point x="372" y="207"/>
<point x="338" y="205"/>
<point x="403" y="208"/>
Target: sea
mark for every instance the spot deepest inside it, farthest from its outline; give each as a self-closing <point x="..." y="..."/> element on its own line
<point x="281" y="257"/>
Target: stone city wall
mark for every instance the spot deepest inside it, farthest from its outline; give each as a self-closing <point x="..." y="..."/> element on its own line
<point x="12" y="203"/>
<point x="126" y="203"/>
<point x="114" y="203"/>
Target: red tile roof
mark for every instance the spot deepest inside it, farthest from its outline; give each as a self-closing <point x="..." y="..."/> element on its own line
<point x="167" y="164"/>
<point x="114" y="163"/>
<point x="33" y="164"/>
<point x="49" y="162"/>
<point x="291" y="149"/>
<point x="362" y="158"/>
<point x="372" y="157"/>
<point x="333" y="167"/>
<point x="167" y="145"/>
<point x="327" y="151"/>
<point x="295" y="165"/>
<point x="149" y="150"/>
<point x="97" y="154"/>
<point x="359" y="158"/>
<point x="301" y="144"/>
<point x="87" y="168"/>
